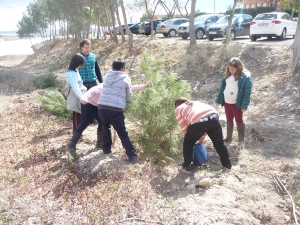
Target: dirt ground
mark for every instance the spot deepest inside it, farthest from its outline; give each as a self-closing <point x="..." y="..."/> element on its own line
<point x="39" y="183"/>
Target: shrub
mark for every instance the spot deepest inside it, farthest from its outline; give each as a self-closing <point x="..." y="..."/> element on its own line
<point x="45" y="81"/>
<point x="153" y="109"/>
<point x="55" y="103"/>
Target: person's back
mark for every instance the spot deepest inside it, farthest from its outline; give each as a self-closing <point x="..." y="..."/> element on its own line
<point x="116" y="90"/>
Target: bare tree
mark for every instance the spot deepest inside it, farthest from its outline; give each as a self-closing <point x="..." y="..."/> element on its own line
<point x="119" y="21"/>
<point x="229" y="33"/>
<point x="193" y="40"/>
<point x="129" y="34"/>
<point x="112" y="13"/>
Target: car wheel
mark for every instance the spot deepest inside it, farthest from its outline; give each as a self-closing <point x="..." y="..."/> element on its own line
<point x="166" y="35"/>
<point x="147" y="34"/>
<point x="172" y="33"/>
<point x="269" y="38"/>
<point x="199" y="34"/>
<point x="253" y="37"/>
<point x="210" y="38"/>
<point x="232" y="35"/>
<point x="283" y="35"/>
<point x="184" y="37"/>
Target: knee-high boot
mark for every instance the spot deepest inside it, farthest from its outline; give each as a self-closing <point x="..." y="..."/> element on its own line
<point x="241" y="133"/>
<point x="99" y="139"/>
<point x="72" y="144"/>
<point x="229" y="131"/>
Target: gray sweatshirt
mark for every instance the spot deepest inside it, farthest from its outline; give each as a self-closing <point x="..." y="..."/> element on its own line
<point x="116" y="91"/>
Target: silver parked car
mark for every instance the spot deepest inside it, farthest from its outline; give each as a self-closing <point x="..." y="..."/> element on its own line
<point x="201" y="23"/>
<point x="170" y="27"/>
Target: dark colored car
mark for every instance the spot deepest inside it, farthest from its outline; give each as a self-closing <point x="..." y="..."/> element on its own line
<point x="124" y="29"/>
<point x="145" y="27"/>
<point x="135" y="28"/>
<point x="240" y="27"/>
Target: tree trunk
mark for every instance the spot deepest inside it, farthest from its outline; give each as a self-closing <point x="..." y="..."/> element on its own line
<point x="119" y="22"/>
<point x="112" y="13"/>
<point x="98" y="28"/>
<point x="193" y="40"/>
<point x="296" y="48"/>
<point x="129" y="34"/>
<point x="90" y="19"/>
<point x="228" y="31"/>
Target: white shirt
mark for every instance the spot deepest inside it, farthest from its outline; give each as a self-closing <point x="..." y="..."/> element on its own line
<point x="231" y="90"/>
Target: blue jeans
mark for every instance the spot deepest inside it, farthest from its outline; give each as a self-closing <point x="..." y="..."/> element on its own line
<point x="213" y="129"/>
<point x="88" y="111"/>
<point x="117" y="120"/>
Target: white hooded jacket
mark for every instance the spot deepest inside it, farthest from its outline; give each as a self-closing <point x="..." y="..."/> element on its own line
<point x="116" y="90"/>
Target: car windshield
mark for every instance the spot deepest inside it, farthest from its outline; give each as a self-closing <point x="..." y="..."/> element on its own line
<point x="266" y="16"/>
<point x="166" y="22"/>
<point x="201" y="18"/>
<point x="225" y="19"/>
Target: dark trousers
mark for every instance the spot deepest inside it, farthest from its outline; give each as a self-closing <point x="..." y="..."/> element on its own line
<point x="213" y="129"/>
<point x="88" y="111"/>
<point x="232" y="112"/>
<point x="75" y="120"/>
<point x="89" y="85"/>
<point x="117" y="120"/>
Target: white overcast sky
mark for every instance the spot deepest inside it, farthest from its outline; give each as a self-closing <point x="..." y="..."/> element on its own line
<point x="11" y="11"/>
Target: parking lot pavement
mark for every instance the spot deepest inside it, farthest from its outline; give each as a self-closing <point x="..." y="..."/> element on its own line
<point x="245" y="40"/>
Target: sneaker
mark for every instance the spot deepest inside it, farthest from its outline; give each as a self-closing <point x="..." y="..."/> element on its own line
<point x="133" y="159"/>
<point x="106" y="152"/>
<point x="188" y="169"/>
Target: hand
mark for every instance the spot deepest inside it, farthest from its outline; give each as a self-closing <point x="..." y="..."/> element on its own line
<point x="149" y="84"/>
<point x="217" y="105"/>
<point x="244" y="110"/>
<point x="83" y="102"/>
<point x="200" y="141"/>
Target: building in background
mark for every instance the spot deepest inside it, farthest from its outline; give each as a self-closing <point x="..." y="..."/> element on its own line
<point x="263" y="3"/>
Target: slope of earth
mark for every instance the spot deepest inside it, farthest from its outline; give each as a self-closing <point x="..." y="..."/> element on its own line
<point x="40" y="184"/>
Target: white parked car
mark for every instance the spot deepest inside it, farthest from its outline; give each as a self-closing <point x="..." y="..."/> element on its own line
<point x="273" y="24"/>
<point x="170" y="27"/>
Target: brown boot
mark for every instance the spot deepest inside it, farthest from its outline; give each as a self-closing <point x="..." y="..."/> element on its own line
<point x="241" y="133"/>
<point x="229" y="132"/>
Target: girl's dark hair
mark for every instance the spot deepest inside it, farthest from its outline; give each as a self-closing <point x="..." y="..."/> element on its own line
<point x="182" y="100"/>
<point x="118" y="64"/>
<point x="238" y="64"/>
<point x="76" y="61"/>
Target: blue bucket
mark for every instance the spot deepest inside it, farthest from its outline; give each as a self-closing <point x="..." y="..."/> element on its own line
<point x="200" y="154"/>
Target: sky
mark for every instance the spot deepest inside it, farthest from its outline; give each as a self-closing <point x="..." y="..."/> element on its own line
<point x="11" y="11"/>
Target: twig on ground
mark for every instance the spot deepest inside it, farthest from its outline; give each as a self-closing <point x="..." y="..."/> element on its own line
<point x="278" y="182"/>
<point x="141" y="220"/>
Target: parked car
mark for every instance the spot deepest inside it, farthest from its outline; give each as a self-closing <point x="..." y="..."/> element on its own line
<point x="170" y="27"/>
<point x="135" y="28"/>
<point x="123" y="28"/>
<point x="273" y="24"/>
<point x="145" y="27"/>
<point x="201" y="23"/>
<point x="240" y="27"/>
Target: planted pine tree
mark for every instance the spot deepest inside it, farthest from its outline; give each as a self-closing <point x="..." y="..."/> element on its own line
<point x="157" y="131"/>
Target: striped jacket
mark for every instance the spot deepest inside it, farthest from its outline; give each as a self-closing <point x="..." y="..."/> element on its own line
<point x="189" y="114"/>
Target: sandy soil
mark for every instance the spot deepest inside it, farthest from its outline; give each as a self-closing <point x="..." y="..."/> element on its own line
<point x="55" y="193"/>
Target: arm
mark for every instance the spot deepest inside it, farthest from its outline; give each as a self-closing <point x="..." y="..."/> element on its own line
<point x="138" y="87"/>
<point x="183" y="125"/>
<point x="72" y="79"/>
<point x="246" y="94"/>
<point x="128" y="90"/>
<point x="220" y="93"/>
<point x="98" y="72"/>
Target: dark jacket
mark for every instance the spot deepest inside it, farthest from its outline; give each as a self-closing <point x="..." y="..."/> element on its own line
<point x="244" y="92"/>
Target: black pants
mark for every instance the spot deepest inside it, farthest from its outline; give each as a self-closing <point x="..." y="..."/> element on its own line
<point x="213" y="129"/>
<point x="89" y="85"/>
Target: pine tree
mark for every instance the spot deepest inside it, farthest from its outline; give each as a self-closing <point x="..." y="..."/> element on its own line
<point x="157" y="131"/>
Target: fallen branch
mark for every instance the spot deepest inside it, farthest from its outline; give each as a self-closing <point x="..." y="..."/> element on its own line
<point x="282" y="187"/>
<point x="141" y="220"/>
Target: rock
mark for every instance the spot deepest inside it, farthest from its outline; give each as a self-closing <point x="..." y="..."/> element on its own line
<point x="191" y="188"/>
<point x="286" y="168"/>
<point x="206" y="182"/>
<point x="221" y="181"/>
<point x="210" y="154"/>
